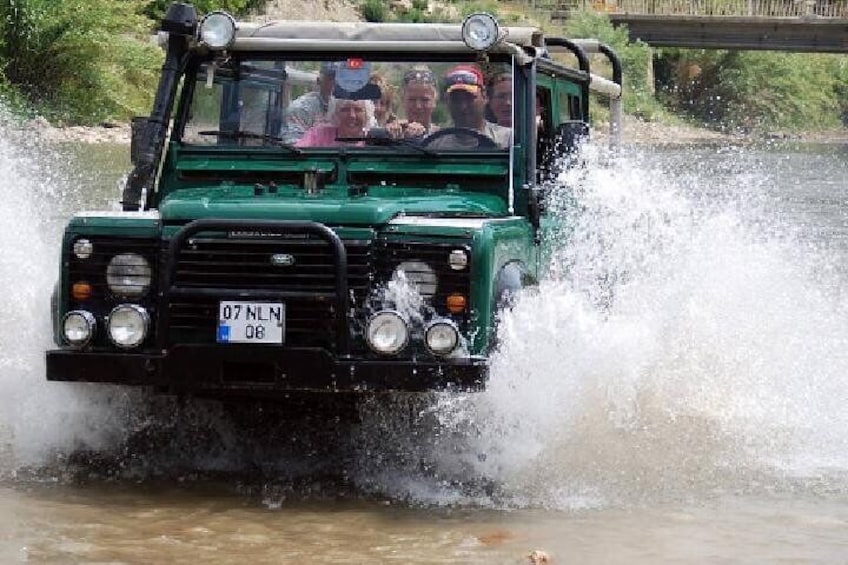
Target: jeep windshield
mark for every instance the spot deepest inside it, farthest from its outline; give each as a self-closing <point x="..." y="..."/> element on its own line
<point x="351" y="104"/>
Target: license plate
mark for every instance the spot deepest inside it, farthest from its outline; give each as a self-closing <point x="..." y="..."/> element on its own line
<point x="251" y="322"/>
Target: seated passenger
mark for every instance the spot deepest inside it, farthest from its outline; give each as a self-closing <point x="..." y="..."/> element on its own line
<point x="466" y="100"/>
<point x="500" y="99"/>
<point x="348" y="118"/>
<point x="311" y="108"/>
<point x="384" y="112"/>
<point x="419" y="96"/>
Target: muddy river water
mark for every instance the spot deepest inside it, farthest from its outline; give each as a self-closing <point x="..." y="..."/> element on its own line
<point x="688" y="408"/>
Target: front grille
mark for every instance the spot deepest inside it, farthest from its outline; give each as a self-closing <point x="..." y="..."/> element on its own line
<point x="249" y="265"/>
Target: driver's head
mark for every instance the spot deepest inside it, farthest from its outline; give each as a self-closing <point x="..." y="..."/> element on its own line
<point x="351" y="117"/>
<point x="466" y="96"/>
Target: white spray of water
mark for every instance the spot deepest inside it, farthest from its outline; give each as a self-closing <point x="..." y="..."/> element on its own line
<point x="39" y="420"/>
<point x="683" y="342"/>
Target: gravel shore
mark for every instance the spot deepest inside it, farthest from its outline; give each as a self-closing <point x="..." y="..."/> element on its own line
<point x="634" y="132"/>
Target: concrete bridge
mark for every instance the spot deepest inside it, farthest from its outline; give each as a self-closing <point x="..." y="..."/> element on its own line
<point x="781" y="25"/>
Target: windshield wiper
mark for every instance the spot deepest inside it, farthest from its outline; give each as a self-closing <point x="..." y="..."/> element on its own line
<point x="278" y="141"/>
<point x="389" y="141"/>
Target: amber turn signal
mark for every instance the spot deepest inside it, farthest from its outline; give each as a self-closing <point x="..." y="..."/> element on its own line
<point x="456" y="303"/>
<point x="81" y="290"/>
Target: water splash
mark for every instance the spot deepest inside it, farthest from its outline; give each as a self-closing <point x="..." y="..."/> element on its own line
<point x="686" y="340"/>
<point x="39" y="419"/>
<point x="689" y="338"/>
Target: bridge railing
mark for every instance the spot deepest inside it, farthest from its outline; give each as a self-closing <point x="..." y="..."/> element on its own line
<point x="755" y="8"/>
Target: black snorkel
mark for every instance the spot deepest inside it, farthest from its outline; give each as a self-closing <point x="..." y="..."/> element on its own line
<point x="148" y="134"/>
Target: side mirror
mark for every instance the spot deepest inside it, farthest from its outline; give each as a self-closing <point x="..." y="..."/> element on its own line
<point x="138" y="130"/>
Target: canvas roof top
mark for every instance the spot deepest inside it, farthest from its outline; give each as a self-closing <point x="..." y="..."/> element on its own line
<point x="341" y="33"/>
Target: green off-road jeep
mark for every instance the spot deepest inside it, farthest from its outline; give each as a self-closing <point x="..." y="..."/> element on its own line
<point x="282" y="230"/>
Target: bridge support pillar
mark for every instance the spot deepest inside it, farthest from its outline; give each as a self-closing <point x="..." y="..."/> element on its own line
<point x="651" y="82"/>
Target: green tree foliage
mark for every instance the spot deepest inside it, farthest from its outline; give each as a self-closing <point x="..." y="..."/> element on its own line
<point x="841" y="87"/>
<point x="424" y="11"/>
<point x="758" y="90"/>
<point x="155" y="9"/>
<point x="79" y="62"/>
<point x="82" y="62"/>
<point x="373" y="10"/>
<point x="635" y="60"/>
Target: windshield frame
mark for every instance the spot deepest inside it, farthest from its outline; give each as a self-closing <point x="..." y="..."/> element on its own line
<point x="191" y="83"/>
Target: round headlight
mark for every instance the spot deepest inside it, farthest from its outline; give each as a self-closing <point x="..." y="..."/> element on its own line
<point x="78" y="327"/>
<point x="386" y="332"/>
<point x="218" y="30"/>
<point x="441" y="337"/>
<point x="420" y="275"/>
<point x="83" y="249"/>
<point x="128" y="275"/>
<point x="127" y="325"/>
<point x="480" y="31"/>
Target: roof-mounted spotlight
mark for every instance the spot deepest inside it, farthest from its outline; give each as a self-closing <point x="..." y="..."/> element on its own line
<point x="480" y="31"/>
<point x="218" y="30"/>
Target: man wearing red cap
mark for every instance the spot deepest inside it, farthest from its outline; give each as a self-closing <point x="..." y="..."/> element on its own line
<point x="465" y="92"/>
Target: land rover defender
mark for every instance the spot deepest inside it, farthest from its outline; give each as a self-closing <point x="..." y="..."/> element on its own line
<point x="249" y="262"/>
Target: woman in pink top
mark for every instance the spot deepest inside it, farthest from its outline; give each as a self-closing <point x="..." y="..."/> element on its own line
<point x="348" y="118"/>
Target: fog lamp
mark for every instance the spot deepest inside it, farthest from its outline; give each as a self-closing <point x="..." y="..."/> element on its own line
<point x="218" y="30"/>
<point x="386" y="332"/>
<point x="441" y="337"/>
<point x="127" y="325"/>
<point x="480" y="31"/>
<point x="128" y="275"/>
<point x="78" y="327"/>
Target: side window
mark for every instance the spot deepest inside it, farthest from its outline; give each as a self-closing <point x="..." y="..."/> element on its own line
<point x="570" y="107"/>
<point x="575" y="107"/>
<point x="544" y="123"/>
<point x="566" y="127"/>
<point x="204" y="114"/>
<point x="244" y="98"/>
<point x="544" y="132"/>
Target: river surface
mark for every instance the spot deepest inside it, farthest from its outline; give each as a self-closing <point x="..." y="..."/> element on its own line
<point x="675" y="391"/>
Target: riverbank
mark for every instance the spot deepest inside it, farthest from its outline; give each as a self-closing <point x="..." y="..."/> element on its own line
<point x="116" y="133"/>
<point x="635" y="131"/>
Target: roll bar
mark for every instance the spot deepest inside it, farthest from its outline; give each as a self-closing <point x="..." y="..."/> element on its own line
<point x="610" y="88"/>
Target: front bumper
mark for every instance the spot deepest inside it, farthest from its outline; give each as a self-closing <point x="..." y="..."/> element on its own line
<point x="216" y="369"/>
